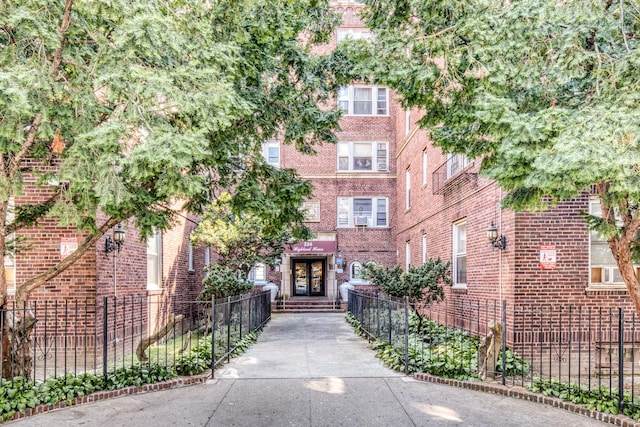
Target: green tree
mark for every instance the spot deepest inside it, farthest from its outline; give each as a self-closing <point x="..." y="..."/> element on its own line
<point x="131" y="106"/>
<point x="421" y="285"/>
<point x="221" y="282"/>
<point x="258" y="231"/>
<point x="544" y="92"/>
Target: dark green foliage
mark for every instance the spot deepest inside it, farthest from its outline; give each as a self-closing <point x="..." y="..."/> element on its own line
<point x="220" y="281"/>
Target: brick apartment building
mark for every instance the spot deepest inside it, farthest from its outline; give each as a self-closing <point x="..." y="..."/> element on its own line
<point x="382" y="194"/>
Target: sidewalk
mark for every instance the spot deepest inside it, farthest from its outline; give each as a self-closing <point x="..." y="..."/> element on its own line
<point x="310" y="370"/>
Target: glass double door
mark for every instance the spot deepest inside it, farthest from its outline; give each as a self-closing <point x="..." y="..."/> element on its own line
<point x="308" y="277"/>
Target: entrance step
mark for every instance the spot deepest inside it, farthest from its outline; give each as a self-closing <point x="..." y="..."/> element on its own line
<point x="308" y="305"/>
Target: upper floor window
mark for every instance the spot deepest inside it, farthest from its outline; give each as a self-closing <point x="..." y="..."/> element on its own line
<point x="460" y="253"/>
<point x="407" y="121"/>
<point x="362" y="211"/>
<point x="207" y="255"/>
<point x="456" y="163"/>
<point x="353" y="34"/>
<point x="190" y="260"/>
<point x="363" y="101"/>
<point x="407" y="186"/>
<point x="154" y="261"/>
<point x="363" y="156"/>
<point x="424" y="167"/>
<point x="271" y="153"/>
<point x="424" y="248"/>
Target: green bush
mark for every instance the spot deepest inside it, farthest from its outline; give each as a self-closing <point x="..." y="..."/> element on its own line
<point x="220" y="282"/>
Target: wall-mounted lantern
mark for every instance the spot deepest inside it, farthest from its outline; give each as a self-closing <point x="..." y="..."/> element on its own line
<point x="497" y="240"/>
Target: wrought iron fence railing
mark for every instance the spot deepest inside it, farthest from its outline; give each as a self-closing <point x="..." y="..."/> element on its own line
<point x="100" y="336"/>
<point x="591" y="351"/>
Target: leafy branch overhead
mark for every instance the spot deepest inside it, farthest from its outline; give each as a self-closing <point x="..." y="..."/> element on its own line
<point x="130" y="106"/>
<point x="544" y="93"/>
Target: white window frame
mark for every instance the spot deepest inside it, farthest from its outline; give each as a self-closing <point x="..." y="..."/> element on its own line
<point x="10" y="259"/>
<point x="355" y="271"/>
<point x="154" y="260"/>
<point x="353" y="34"/>
<point x="456" y="163"/>
<point x="459" y="253"/>
<point x="407" y="121"/>
<point x="190" y="259"/>
<point x="266" y="148"/>
<point x="258" y="274"/>
<point x="608" y="271"/>
<point x="424" y="248"/>
<point x="407" y="191"/>
<point x="379" y="100"/>
<point x="207" y="256"/>
<point x="347" y="153"/>
<point x="375" y="219"/>
<point x="407" y="255"/>
<point x="425" y="167"/>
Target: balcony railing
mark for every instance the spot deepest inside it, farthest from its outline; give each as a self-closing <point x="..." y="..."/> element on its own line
<point x="456" y="166"/>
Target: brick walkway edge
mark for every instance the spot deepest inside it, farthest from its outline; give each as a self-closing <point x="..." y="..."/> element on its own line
<point x="524" y="394"/>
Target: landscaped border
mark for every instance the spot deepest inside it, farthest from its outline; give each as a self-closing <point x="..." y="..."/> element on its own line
<point x="523" y="394"/>
<point x="108" y="394"/>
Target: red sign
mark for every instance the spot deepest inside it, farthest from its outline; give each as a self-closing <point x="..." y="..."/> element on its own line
<point x="312" y="247"/>
<point x="548" y="257"/>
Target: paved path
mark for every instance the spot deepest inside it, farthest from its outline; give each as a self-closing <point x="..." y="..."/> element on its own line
<point x="310" y="370"/>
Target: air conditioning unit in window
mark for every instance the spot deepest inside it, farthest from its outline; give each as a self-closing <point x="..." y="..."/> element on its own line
<point x="361" y="221"/>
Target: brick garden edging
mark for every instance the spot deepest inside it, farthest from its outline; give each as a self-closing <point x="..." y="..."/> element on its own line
<point x="108" y="394"/>
<point x="521" y="393"/>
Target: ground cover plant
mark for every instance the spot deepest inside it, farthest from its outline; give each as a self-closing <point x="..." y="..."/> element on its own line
<point x="18" y="394"/>
<point x="438" y="350"/>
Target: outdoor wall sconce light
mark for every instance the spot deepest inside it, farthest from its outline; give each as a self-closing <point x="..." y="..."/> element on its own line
<point x="114" y="244"/>
<point x="500" y="241"/>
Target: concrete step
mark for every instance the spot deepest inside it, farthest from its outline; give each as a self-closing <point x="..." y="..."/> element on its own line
<point x="307" y="305"/>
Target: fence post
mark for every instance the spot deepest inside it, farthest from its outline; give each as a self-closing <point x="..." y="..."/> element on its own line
<point x="213" y="335"/>
<point x="228" y="329"/>
<point x="620" y="360"/>
<point x="390" y="320"/>
<point x="504" y="341"/>
<point x="105" y="350"/>
<point x="406" y="335"/>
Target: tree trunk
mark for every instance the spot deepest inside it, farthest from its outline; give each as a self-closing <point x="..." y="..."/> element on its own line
<point x="146" y="342"/>
<point x="17" y="355"/>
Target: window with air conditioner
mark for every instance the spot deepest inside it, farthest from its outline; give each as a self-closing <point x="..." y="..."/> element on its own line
<point x="271" y="153"/>
<point x="362" y="212"/>
<point x="353" y="34"/>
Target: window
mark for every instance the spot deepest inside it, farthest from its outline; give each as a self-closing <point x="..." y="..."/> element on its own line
<point x="407" y="255"/>
<point x="362" y="156"/>
<point x="258" y="273"/>
<point x="424" y="167"/>
<point x="407" y="186"/>
<point x="363" y="101"/>
<point x="154" y="261"/>
<point x="362" y="211"/>
<point x="353" y="34"/>
<point x="190" y="261"/>
<point x="355" y="271"/>
<point x="424" y="248"/>
<point x="456" y="163"/>
<point x="207" y="256"/>
<point x="604" y="269"/>
<point x="271" y="153"/>
<point x="407" y="121"/>
<point x="9" y="258"/>
<point x="460" y="254"/>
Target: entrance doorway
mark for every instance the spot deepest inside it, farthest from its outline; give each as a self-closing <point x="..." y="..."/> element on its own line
<point x="308" y="277"/>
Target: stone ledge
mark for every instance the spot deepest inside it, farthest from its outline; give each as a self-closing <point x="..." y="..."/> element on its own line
<point x="524" y="394"/>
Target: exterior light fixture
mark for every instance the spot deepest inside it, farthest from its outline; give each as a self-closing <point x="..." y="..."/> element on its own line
<point x="497" y="241"/>
<point x="114" y="244"/>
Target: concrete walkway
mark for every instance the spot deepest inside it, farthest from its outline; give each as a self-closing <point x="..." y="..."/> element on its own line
<point x="310" y="370"/>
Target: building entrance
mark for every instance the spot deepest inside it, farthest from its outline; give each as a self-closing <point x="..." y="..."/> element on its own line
<point x="308" y="277"/>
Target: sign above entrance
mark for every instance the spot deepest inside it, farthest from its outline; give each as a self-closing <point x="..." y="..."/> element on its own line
<point x="312" y="247"/>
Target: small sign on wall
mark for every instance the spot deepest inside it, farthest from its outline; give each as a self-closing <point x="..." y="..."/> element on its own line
<point x="67" y="246"/>
<point x="548" y="256"/>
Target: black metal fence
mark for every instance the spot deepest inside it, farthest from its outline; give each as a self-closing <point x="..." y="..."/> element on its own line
<point x="99" y="336"/>
<point x="590" y="350"/>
